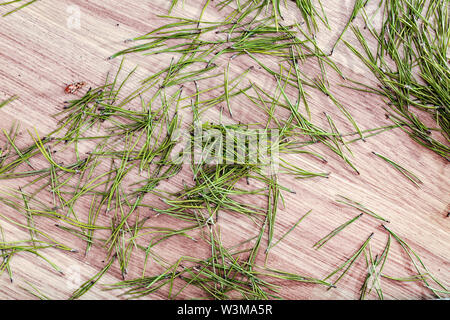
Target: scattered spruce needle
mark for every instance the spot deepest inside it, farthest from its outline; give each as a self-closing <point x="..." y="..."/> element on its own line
<point x="360" y="207"/>
<point x="408" y="174"/>
<point x="85" y="287"/>
<point x="319" y="244"/>
<point x="5" y="102"/>
<point x="349" y="263"/>
<point x="292" y="228"/>
<point x="418" y="264"/>
<point x="23" y="5"/>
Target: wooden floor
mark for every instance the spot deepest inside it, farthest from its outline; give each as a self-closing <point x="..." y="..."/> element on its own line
<point x="39" y="54"/>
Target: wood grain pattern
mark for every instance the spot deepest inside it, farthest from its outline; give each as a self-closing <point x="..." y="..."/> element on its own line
<point x="39" y="54"/>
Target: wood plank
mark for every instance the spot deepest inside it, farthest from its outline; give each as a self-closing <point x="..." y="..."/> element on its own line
<point x="39" y="54"/>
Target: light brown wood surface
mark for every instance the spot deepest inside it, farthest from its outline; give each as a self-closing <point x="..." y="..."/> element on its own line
<point x="39" y="54"/>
